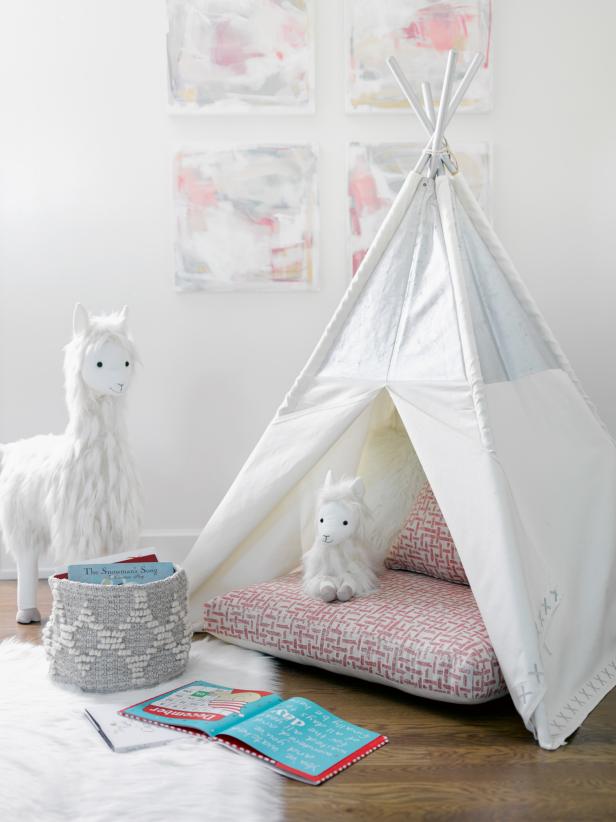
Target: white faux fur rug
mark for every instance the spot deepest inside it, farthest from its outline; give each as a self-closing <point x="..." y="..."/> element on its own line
<point x="54" y="766"/>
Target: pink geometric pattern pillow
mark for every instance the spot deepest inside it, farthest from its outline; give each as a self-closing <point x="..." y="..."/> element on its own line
<point x="425" y="545"/>
<point x="421" y="635"/>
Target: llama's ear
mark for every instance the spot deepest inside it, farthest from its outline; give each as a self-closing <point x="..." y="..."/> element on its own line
<point x="358" y="488"/>
<point x="124" y="317"/>
<point x="329" y="478"/>
<point x="81" y="319"/>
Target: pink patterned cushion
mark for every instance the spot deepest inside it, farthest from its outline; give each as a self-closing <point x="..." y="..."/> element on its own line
<point x="425" y="545"/>
<point x="421" y="635"/>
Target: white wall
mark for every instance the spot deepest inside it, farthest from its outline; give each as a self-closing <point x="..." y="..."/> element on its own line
<point x="86" y="215"/>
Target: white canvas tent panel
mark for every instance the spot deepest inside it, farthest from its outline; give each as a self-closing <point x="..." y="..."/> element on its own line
<point x="524" y="472"/>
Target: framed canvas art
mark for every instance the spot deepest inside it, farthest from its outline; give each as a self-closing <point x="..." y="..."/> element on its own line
<point x="376" y="172"/>
<point x="246" y="218"/>
<point x="240" y="56"/>
<point x="419" y="33"/>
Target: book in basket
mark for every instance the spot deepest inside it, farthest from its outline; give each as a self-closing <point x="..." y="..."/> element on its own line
<point x="295" y="736"/>
<point x="120" y="573"/>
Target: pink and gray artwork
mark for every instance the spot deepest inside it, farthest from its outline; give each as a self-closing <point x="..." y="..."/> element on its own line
<point x="246" y="218"/>
<point x="419" y="33"/>
<point x="240" y="55"/>
<point x="376" y="174"/>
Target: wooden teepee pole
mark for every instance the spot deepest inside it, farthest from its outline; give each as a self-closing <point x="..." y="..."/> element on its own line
<point x="439" y="128"/>
<point x="427" y="117"/>
<point x="413" y="100"/>
<point x="457" y="98"/>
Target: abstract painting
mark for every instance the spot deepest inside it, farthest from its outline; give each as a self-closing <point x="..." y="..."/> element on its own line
<point x="246" y="218"/>
<point x="376" y="174"/>
<point x="229" y="56"/>
<point x="418" y="33"/>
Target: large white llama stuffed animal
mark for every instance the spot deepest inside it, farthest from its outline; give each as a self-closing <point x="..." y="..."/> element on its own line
<point x="75" y="495"/>
<point x="340" y="563"/>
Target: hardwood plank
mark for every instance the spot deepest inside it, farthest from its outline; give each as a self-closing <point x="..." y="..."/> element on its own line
<point x="8" y="609"/>
<point x="443" y="762"/>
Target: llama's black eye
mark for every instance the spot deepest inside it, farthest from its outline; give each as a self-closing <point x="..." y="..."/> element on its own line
<point x="345" y="522"/>
<point x="99" y="364"/>
<point x="127" y="363"/>
<point x="321" y="520"/>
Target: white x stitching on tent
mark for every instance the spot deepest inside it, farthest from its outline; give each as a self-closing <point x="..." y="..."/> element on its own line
<point x="438" y="323"/>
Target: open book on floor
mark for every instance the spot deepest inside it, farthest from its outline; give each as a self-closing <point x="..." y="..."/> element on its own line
<point x="295" y="736"/>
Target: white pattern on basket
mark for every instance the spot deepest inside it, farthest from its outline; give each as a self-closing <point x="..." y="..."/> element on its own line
<point x="112" y="638"/>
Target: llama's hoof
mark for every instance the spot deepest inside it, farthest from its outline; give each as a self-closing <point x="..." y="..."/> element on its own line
<point x="27" y="615"/>
<point x="345" y="592"/>
<point x="327" y="592"/>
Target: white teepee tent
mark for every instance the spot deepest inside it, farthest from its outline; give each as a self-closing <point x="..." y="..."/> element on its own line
<point x="438" y="322"/>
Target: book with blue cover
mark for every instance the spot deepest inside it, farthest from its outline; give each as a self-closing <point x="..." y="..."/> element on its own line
<point x="120" y="573"/>
<point x="295" y="736"/>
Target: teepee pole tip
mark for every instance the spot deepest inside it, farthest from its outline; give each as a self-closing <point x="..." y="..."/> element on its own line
<point x="408" y="91"/>
<point x="428" y="101"/>
<point x="465" y="82"/>
<point x="443" y="110"/>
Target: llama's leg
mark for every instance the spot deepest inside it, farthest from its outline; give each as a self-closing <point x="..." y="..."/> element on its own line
<point x="320" y="587"/>
<point x="27" y="582"/>
<point x="327" y="589"/>
<point x="346" y="589"/>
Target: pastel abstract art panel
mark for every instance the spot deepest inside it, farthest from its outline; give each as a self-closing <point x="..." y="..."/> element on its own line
<point x="246" y="218"/>
<point x="376" y="174"/>
<point x="419" y="33"/>
<point x="240" y="55"/>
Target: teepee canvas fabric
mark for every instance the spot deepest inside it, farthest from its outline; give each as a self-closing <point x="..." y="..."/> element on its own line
<point x="438" y="322"/>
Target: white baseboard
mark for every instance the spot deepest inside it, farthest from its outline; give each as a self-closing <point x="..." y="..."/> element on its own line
<point x="171" y="546"/>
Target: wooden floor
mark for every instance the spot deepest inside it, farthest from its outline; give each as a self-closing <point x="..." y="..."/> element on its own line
<point x="443" y="762"/>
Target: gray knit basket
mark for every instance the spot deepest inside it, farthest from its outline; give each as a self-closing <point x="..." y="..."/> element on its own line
<point x="117" y="637"/>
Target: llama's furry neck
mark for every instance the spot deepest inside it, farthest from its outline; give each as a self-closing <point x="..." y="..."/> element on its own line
<point x="95" y="420"/>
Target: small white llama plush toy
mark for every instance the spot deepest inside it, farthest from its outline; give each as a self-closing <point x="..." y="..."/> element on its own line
<point x="75" y="495"/>
<point x="340" y="565"/>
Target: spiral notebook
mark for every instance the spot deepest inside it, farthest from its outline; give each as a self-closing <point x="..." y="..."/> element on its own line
<point x="296" y="737"/>
<point x="121" y="734"/>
